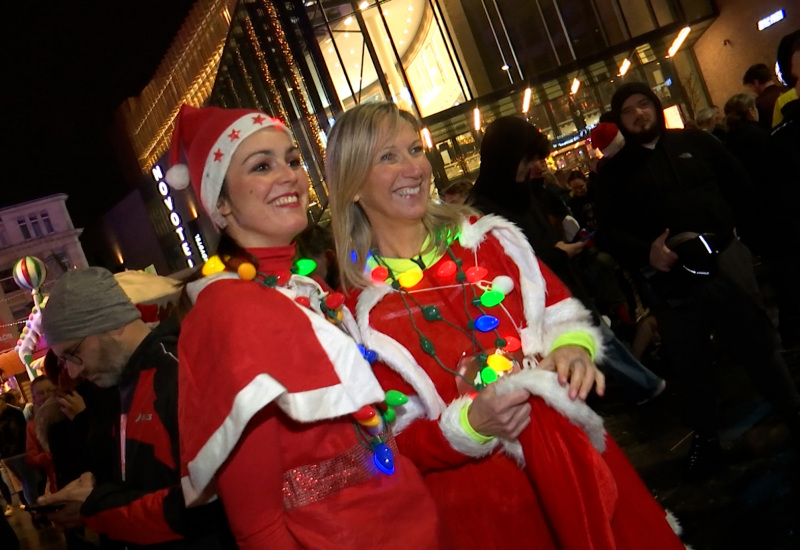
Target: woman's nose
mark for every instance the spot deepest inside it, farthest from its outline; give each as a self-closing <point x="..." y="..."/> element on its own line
<point x="413" y="168"/>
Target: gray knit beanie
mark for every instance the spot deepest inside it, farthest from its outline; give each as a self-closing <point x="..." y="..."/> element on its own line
<point x="85" y="302"/>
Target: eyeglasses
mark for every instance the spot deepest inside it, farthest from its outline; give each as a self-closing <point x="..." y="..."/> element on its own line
<point x="71" y="355"/>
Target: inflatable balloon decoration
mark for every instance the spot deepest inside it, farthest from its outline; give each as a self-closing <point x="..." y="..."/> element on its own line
<point x="29" y="274"/>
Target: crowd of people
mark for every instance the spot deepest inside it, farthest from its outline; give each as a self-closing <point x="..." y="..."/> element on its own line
<point x="426" y="386"/>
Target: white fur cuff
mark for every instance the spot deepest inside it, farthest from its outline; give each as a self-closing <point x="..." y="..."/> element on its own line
<point x="545" y="384"/>
<point x="450" y="424"/>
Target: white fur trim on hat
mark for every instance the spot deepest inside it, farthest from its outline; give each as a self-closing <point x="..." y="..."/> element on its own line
<point x="219" y="158"/>
<point x="615" y="146"/>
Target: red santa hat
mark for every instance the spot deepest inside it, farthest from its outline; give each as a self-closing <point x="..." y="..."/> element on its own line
<point x="208" y="137"/>
<point x="607" y="137"/>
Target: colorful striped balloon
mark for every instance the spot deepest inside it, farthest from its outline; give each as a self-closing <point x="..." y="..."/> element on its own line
<point x="29" y="272"/>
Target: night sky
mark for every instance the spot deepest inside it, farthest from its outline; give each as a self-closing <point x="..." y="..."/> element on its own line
<point x="67" y="67"/>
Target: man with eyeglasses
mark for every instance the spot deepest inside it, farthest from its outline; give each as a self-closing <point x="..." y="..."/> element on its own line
<point x="96" y="332"/>
<point x="670" y="205"/>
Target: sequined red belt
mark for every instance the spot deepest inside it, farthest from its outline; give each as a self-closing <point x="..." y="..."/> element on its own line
<point x="311" y="483"/>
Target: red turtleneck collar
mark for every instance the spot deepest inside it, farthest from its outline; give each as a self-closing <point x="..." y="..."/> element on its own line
<point x="274" y="259"/>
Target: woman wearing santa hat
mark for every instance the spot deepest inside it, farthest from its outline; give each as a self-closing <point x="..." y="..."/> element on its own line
<point x="280" y="415"/>
<point x="460" y="312"/>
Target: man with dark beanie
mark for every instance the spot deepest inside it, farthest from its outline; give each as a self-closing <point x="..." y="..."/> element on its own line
<point x="665" y="210"/>
<point x="96" y="332"/>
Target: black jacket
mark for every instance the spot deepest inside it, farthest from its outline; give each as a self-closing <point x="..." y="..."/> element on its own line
<point x="144" y="506"/>
<point x="689" y="182"/>
<point x="12" y="432"/>
<point x="84" y="443"/>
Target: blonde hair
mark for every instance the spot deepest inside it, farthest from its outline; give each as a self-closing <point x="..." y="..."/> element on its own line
<point x="352" y="147"/>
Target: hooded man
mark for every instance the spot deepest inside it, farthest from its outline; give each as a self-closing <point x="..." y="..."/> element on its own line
<point x="97" y="333"/>
<point x="664" y="214"/>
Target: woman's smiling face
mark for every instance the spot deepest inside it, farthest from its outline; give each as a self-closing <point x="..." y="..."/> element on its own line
<point x="266" y="191"/>
<point x="398" y="183"/>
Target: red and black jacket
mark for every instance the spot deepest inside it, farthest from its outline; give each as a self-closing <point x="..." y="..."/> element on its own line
<point x="144" y="506"/>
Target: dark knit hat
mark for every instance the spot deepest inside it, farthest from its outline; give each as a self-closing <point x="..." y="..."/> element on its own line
<point x="85" y="302"/>
<point x="627" y="90"/>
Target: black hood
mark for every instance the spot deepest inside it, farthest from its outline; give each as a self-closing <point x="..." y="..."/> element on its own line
<point x="505" y="143"/>
<point x="627" y="90"/>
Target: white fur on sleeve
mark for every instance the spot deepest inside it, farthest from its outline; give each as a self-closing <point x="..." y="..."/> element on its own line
<point x="461" y="441"/>
<point x="568" y="316"/>
<point x="545" y="384"/>
<point x="395" y="355"/>
<point x="543" y="325"/>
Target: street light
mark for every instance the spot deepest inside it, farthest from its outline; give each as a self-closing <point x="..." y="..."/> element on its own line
<point x="526" y="101"/>
<point x="676" y="44"/>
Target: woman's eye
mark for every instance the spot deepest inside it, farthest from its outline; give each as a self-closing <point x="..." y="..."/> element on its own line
<point x="417" y="149"/>
<point x="295" y="163"/>
<point x="387" y="157"/>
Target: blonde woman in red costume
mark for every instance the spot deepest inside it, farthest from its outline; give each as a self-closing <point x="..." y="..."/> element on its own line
<point x="495" y="355"/>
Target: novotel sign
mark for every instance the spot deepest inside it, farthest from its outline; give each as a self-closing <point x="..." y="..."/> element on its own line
<point x="770" y="20"/>
<point x="175" y="219"/>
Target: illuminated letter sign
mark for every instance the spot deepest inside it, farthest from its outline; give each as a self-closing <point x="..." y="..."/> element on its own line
<point x="770" y="20"/>
<point x="175" y="219"/>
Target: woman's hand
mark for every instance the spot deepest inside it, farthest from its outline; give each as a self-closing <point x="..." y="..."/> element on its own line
<point x="503" y="416"/>
<point x="574" y="366"/>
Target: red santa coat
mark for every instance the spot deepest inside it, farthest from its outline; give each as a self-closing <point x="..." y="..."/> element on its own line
<point x="564" y="484"/>
<point x="266" y="389"/>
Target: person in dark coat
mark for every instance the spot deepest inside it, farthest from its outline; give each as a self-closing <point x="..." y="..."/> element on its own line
<point x="784" y="144"/>
<point x="664" y="214"/>
<point x="761" y="80"/>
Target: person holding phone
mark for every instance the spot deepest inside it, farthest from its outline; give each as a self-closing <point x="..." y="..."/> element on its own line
<point x="96" y="333"/>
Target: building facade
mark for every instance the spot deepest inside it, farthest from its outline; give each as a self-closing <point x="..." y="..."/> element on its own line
<point x="41" y="228"/>
<point x="745" y="33"/>
<point x="456" y="64"/>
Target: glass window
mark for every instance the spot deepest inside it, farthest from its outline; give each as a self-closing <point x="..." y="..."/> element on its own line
<point x="3" y="236"/>
<point x="48" y="226"/>
<point x="23" y="227"/>
<point x="37" y="229"/>
<point x="638" y="16"/>
<point x="403" y="35"/>
<point x="611" y="17"/>
<point x="582" y="25"/>
<point x="664" y="12"/>
<point x="7" y="282"/>
<point x="697" y="9"/>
